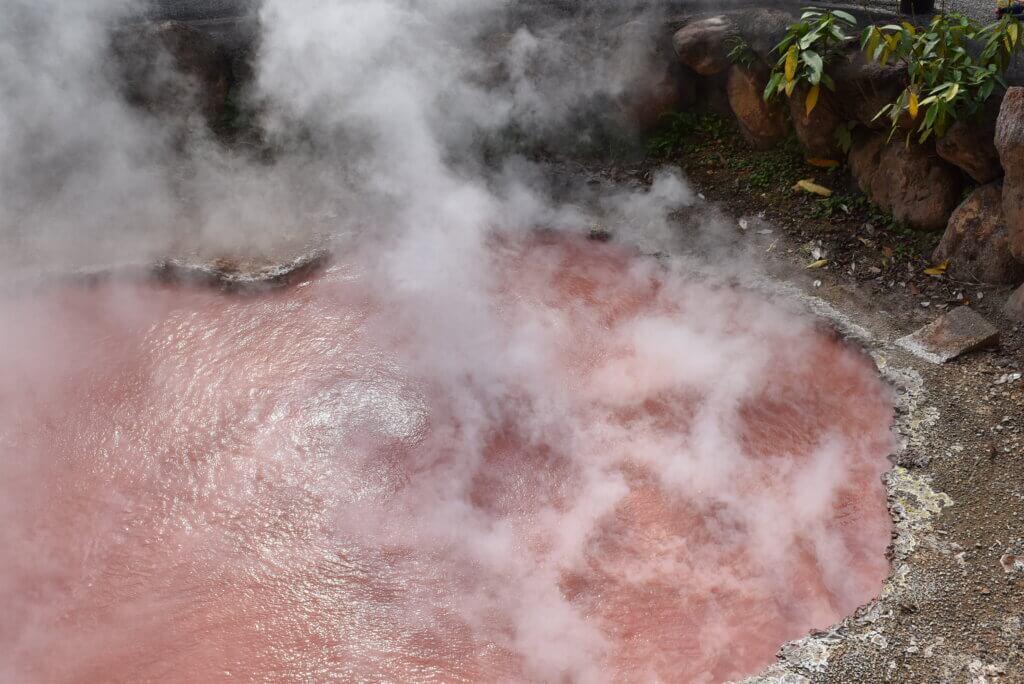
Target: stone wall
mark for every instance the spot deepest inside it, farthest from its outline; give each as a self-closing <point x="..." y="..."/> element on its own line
<point x="920" y="184"/>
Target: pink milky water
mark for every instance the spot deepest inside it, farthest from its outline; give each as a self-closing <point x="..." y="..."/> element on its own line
<point x="610" y="473"/>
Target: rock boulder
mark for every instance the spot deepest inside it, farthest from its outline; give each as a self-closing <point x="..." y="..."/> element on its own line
<point x="199" y="80"/>
<point x="1015" y="305"/>
<point x="1010" y="145"/>
<point x="762" y="124"/>
<point x="975" y="241"/>
<point x="817" y="130"/>
<point x="703" y="44"/>
<point x="920" y="189"/>
<point x="863" y="88"/>
<point x="971" y="146"/>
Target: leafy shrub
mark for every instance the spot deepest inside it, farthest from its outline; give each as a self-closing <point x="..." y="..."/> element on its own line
<point x="808" y="47"/>
<point x="740" y="52"/>
<point x="946" y="81"/>
<point x="677" y="127"/>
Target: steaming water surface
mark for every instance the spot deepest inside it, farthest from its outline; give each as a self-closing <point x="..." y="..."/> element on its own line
<point x="591" y="471"/>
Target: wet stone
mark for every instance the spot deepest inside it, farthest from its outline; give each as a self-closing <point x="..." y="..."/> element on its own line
<point x="954" y="334"/>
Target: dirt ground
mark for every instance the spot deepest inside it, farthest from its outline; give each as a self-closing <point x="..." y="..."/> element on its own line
<point x="953" y="609"/>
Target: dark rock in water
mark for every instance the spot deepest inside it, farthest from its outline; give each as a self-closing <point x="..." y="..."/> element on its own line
<point x="970" y="145"/>
<point x="975" y="242"/>
<point x="953" y="334"/>
<point x="703" y="45"/>
<point x="817" y="130"/>
<point x="761" y="123"/>
<point x="1015" y="305"/>
<point x="1010" y="144"/>
<point x="919" y="188"/>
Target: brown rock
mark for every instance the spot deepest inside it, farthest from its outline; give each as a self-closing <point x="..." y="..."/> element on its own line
<point x="920" y="189"/>
<point x="1015" y="305"/>
<point x="953" y="334"/>
<point x="975" y="241"/>
<point x="865" y="158"/>
<point x="703" y="44"/>
<point x="817" y="131"/>
<point x="1010" y="144"/>
<point x="663" y="84"/>
<point x="762" y="124"/>
<point x="971" y="145"/>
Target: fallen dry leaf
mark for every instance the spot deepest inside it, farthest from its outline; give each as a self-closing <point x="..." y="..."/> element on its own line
<point x="812" y="187"/>
<point x="818" y="264"/>
<point x="938" y="270"/>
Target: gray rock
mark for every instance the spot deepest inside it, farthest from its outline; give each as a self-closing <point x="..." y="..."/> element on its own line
<point x="1010" y="144"/>
<point x="762" y="124"/>
<point x="703" y="44"/>
<point x="920" y="189"/>
<point x="763" y="29"/>
<point x="953" y="334"/>
<point x="1015" y="305"/>
<point x="975" y="242"/>
<point x="970" y="145"/>
<point x="863" y="88"/>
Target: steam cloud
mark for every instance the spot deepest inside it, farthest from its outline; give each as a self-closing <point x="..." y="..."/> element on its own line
<point x="398" y="130"/>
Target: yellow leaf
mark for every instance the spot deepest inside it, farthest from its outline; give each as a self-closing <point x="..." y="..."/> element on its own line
<point x="812" y="99"/>
<point x="937" y="270"/>
<point x="873" y="41"/>
<point x="789" y="88"/>
<point x="818" y="264"/>
<point x="823" y="163"/>
<point x="812" y="187"/>
<point x="1014" y="30"/>
<point x="791" y="57"/>
<point x="913" y="105"/>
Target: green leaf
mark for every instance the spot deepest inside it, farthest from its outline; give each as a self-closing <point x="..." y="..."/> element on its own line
<point x="772" y="89"/>
<point x="784" y="44"/>
<point x="845" y="16"/>
<point x="809" y="39"/>
<point x="814" y="62"/>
